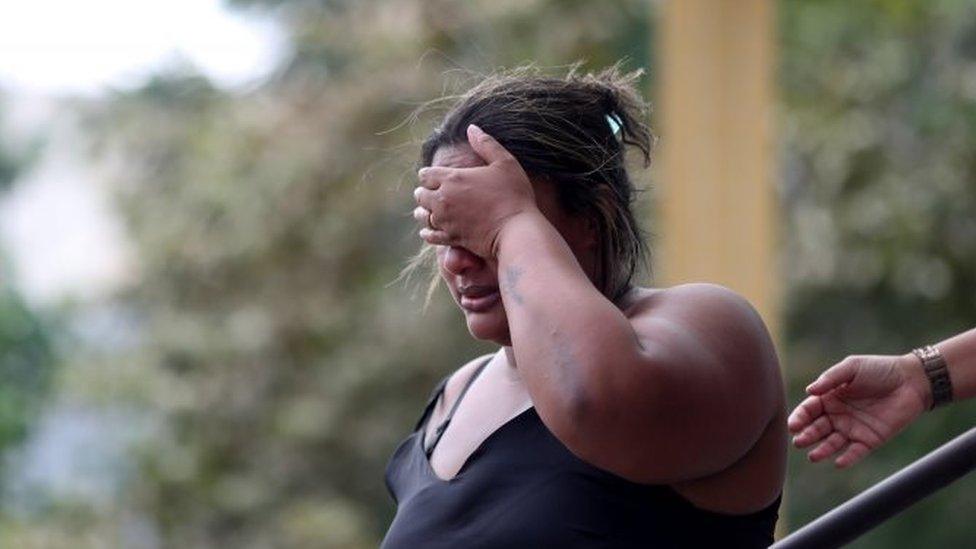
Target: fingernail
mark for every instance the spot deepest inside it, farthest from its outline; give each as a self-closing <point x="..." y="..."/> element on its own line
<point x="421" y="172"/>
<point x="478" y="132"/>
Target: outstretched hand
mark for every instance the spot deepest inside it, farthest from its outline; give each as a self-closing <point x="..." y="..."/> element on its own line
<point x="469" y="207"/>
<point x="858" y="405"/>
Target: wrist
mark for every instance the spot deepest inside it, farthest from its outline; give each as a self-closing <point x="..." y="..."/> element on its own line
<point x="913" y="371"/>
<point x="937" y="372"/>
<point x="515" y="224"/>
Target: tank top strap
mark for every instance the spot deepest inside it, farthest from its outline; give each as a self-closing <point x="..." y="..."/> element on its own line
<point x="439" y="431"/>
<point x="431" y="401"/>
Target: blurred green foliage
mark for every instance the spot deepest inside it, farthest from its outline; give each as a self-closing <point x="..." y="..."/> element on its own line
<point x="279" y="367"/>
<point x="26" y="363"/>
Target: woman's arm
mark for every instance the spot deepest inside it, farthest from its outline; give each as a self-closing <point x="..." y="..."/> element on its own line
<point x="681" y="390"/>
<point x="960" y="356"/>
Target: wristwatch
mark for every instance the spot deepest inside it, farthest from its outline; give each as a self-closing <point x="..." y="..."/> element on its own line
<point x="938" y="373"/>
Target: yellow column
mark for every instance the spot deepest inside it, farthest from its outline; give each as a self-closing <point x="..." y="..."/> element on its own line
<point x="716" y="201"/>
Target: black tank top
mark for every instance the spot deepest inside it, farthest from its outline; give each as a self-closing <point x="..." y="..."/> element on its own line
<point x="521" y="488"/>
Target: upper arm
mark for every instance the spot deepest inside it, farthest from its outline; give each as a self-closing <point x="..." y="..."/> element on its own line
<point x="700" y="388"/>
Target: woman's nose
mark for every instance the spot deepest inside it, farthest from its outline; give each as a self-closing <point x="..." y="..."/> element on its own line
<point x="457" y="260"/>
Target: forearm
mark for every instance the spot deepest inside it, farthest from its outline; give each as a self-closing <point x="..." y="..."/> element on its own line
<point x="960" y="356"/>
<point x="562" y="328"/>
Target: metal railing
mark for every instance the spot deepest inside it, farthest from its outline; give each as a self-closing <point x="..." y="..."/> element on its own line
<point x="889" y="497"/>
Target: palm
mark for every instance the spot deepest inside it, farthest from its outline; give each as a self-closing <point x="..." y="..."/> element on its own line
<point x="855" y="407"/>
<point x="871" y="413"/>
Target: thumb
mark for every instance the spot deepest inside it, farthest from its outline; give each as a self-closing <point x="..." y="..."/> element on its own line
<point x="486" y="146"/>
<point x="837" y="375"/>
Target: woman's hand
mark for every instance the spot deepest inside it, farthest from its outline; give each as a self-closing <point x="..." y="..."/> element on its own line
<point x="859" y="404"/>
<point x="468" y="207"/>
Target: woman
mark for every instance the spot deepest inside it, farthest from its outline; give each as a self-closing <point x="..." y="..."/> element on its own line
<point x="612" y="415"/>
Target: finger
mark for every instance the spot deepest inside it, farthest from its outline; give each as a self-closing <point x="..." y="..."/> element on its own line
<point x="432" y="176"/>
<point x="425" y="198"/>
<point x="435" y="237"/>
<point x="421" y="214"/>
<point x="814" y="432"/>
<point x="828" y="447"/>
<point x="855" y="452"/>
<point x="810" y="409"/>
<point x="486" y="146"/>
<point x="837" y="375"/>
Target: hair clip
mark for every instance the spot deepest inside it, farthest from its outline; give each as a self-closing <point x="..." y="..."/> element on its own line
<point x="614" y="124"/>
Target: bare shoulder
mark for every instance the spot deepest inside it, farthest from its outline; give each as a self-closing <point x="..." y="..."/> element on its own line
<point x="691" y="298"/>
<point x="461" y="376"/>
<point x="709" y="316"/>
<point x="452" y="389"/>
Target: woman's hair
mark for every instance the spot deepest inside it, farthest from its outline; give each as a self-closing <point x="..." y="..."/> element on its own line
<point x="572" y="131"/>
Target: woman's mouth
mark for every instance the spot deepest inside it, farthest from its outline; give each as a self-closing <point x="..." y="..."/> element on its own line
<point x="477" y="299"/>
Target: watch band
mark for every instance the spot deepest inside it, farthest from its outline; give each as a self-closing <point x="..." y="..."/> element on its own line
<point x="938" y="373"/>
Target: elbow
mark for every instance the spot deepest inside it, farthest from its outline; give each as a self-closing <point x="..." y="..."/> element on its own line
<point x="602" y="434"/>
<point x="576" y="426"/>
<point x="575" y="410"/>
<point x="602" y="413"/>
<point x="574" y="418"/>
<point x="578" y="410"/>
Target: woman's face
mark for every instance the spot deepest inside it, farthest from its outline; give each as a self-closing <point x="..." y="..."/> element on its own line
<point x="473" y="280"/>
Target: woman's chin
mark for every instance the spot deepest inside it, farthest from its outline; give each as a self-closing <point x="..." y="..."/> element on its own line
<point x="488" y="326"/>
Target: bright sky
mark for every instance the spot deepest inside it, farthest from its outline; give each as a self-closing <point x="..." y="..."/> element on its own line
<point x="56" y="223"/>
<point x="61" y="47"/>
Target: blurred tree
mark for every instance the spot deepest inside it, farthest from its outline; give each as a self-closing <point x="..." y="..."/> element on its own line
<point x="26" y="363"/>
<point x="268" y="226"/>
<point x="880" y="195"/>
<point x="26" y="354"/>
